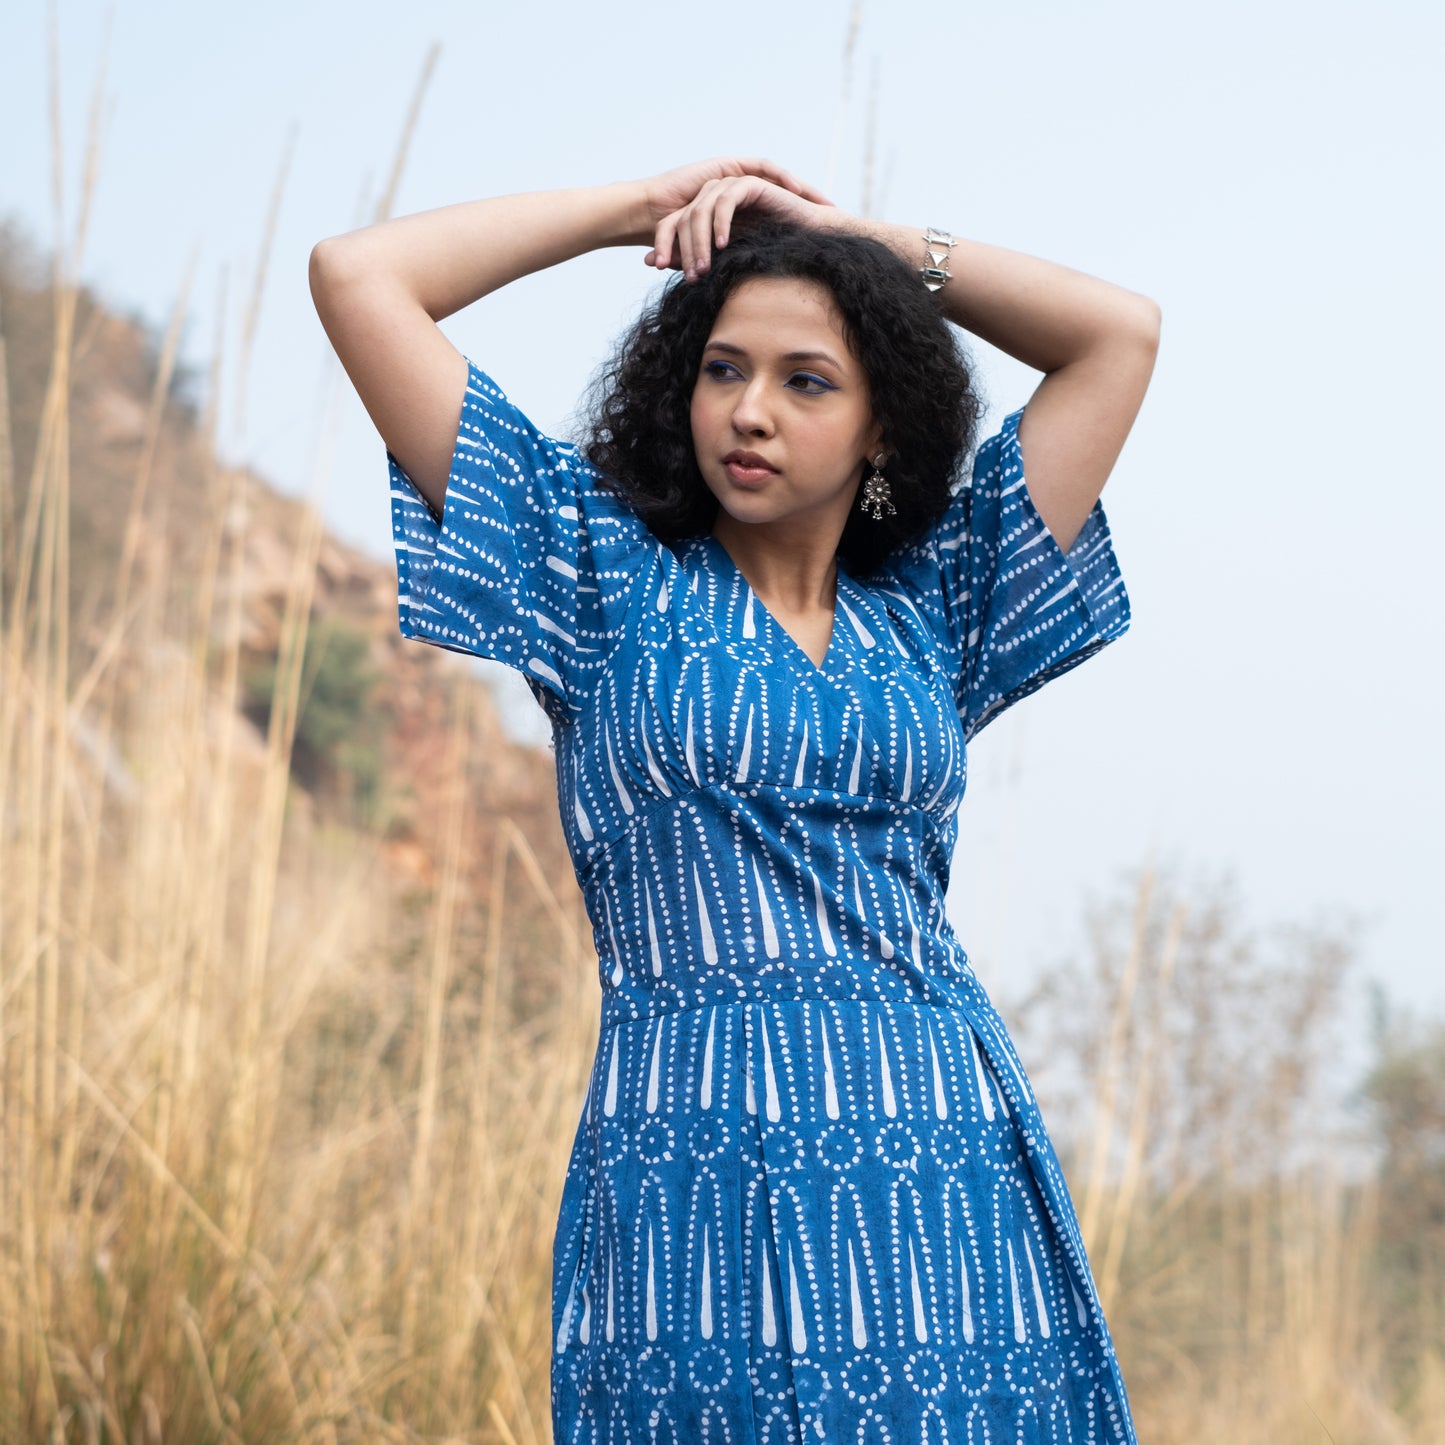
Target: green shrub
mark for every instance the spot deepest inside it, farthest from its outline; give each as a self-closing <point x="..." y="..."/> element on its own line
<point x="338" y="751"/>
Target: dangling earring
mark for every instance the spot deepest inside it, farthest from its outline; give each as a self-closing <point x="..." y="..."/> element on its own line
<point x="877" y="503"/>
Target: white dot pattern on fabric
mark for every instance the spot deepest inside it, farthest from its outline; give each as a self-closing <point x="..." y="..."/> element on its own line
<point x="810" y="1196"/>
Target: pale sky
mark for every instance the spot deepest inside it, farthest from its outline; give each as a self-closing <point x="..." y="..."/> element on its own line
<point x="1269" y="172"/>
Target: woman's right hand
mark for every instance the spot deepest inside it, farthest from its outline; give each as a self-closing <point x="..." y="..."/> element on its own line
<point x="674" y="189"/>
<point x="692" y="208"/>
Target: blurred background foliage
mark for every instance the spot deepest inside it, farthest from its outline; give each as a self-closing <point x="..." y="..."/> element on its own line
<point x="337" y="751"/>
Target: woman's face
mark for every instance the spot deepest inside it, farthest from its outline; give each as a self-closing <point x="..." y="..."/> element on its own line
<point x="781" y="416"/>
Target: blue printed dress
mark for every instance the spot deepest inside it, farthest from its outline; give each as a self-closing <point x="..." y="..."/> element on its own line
<point x="810" y="1197"/>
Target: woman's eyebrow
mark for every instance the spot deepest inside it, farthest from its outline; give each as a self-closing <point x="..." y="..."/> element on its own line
<point x="733" y="350"/>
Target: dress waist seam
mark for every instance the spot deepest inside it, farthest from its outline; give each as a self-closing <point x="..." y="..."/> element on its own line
<point x="931" y="1006"/>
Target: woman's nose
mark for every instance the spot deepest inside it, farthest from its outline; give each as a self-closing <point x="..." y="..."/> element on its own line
<point x="751" y="414"/>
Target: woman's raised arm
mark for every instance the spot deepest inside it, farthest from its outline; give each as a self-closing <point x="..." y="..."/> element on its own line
<point x="1094" y="342"/>
<point x="380" y="291"/>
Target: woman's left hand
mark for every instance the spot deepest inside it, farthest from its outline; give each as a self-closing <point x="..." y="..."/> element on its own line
<point x="684" y="240"/>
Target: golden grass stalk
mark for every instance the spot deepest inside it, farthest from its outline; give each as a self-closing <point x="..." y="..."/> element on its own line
<point x="1127" y="1189"/>
<point x="251" y="318"/>
<point x="9" y="1340"/>
<point x="850" y="44"/>
<point x="1107" y="1103"/>
<point x="7" y="470"/>
<point x="387" y="199"/>
<point x="439" y="973"/>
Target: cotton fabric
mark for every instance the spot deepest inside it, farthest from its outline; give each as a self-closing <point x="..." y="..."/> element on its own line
<point x="810" y="1196"/>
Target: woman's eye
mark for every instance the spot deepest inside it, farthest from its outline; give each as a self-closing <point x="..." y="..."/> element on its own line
<point x="805" y="381"/>
<point x="719" y="370"/>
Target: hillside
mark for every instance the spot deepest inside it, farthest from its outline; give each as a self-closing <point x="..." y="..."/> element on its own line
<point x="388" y="721"/>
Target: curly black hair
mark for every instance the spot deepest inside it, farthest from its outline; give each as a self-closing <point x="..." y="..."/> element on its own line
<point x="639" y="431"/>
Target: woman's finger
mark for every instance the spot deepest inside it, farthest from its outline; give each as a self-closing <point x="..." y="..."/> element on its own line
<point x="756" y="195"/>
<point x="696" y="252"/>
<point x="770" y="171"/>
<point x="722" y="218"/>
<point x="662" y="241"/>
<point x="685" y="251"/>
<point x="698" y="225"/>
<point x="700" y="231"/>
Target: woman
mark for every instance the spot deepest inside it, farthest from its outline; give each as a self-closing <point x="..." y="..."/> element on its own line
<point x="810" y="1195"/>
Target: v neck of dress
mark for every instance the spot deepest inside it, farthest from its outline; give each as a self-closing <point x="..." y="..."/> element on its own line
<point x="829" y="658"/>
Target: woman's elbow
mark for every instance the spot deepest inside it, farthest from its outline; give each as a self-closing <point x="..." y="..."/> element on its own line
<point x="1147" y="320"/>
<point x="1133" y="344"/>
<point x="331" y="271"/>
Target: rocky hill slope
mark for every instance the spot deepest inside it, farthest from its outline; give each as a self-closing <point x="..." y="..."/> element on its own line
<point x="373" y="730"/>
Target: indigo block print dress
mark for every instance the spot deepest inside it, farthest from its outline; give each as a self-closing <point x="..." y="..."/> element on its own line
<point x="810" y="1198"/>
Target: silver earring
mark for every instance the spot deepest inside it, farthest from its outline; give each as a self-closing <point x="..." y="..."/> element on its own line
<point x="877" y="503"/>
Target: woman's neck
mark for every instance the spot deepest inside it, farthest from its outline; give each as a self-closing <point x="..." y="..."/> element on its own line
<point x="790" y="573"/>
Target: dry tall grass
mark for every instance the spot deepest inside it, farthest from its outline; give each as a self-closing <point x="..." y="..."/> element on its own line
<point x="274" y="1166"/>
<point x="1231" y="1216"/>
<point x="279" y="1162"/>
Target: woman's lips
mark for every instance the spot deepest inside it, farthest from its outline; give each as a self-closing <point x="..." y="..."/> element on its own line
<point x="747" y="468"/>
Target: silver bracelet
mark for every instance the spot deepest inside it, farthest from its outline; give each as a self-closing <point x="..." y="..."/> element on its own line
<point x="936" y="248"/>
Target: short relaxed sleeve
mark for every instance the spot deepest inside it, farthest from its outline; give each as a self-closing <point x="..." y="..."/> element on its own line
<point x="1010" y="607"/>
<point x="511" y="568"/>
